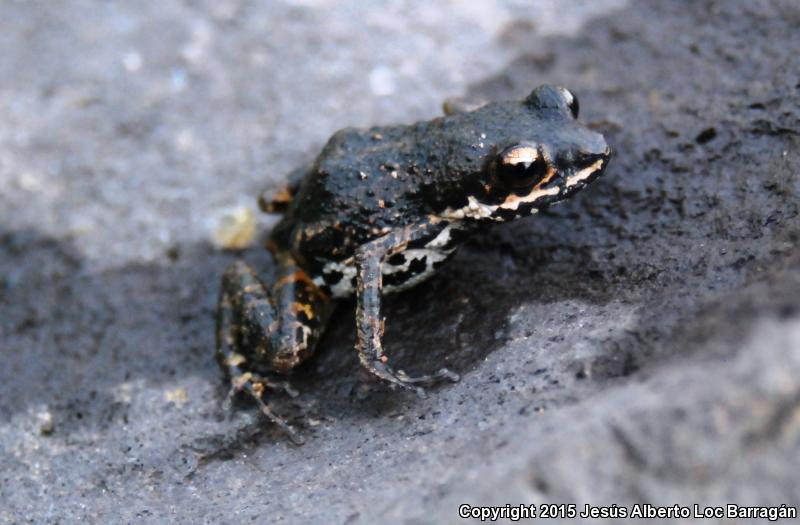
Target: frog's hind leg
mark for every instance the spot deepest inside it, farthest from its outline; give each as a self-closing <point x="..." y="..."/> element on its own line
<point x="262" y="332"/>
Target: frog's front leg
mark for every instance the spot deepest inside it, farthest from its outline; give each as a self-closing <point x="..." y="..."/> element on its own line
<point x="262" y="332"/>
<point x="369" y="324"/>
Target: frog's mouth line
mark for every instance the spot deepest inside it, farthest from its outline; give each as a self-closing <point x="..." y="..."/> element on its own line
<point x="512" y="203"/>
<point x="584" y="175"/>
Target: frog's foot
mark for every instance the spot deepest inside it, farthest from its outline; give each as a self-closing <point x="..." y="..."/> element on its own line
<point x="240" y="379"/>
<point x="255" y="387"/>
<point x="382" y="370"/>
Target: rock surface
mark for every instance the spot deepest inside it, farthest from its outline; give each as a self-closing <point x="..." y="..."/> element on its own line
<point x="640" y="343"/>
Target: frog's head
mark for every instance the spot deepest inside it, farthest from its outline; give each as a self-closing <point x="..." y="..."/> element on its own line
<point x="545" y="157"/>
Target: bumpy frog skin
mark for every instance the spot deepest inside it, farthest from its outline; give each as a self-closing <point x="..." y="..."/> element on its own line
<point x="381" y="210"/>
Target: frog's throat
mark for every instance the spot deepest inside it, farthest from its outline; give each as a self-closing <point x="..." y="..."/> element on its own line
<point x="479" y="210"/>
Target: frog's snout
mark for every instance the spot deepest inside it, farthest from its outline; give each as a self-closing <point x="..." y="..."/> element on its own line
<point x="594" y="144"/>
<point x="584" y="161"/>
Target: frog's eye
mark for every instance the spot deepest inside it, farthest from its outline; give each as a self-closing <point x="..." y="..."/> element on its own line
<point x="521" y="166"/>
<point x="554" y="97"/>
<point x="572" y="101"/>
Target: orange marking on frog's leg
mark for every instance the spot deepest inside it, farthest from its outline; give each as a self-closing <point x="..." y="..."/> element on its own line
<point x="303" y="307"/>
<point x="283" y="196"/>
<point x="275" y="202"/>
<point x="298" y="276"/>
<point x="271" y="201"/>
<point x="303" y="310"/>
<point x="260" y="332"/>
<point x="369" y="324"/>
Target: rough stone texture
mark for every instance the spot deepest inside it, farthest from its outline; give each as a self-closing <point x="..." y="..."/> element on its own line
<point x="640" y="343"/>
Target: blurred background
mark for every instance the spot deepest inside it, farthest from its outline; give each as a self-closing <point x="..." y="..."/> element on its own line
<point x="139" y="123"/>
<point x="640" y="343"/>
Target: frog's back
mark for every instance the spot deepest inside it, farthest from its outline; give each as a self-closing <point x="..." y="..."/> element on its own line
<point x="360" y="168"/>
<point x="361" y="185"/>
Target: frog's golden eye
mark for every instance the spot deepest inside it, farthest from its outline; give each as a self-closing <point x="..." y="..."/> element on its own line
<point x="521" y="166"/>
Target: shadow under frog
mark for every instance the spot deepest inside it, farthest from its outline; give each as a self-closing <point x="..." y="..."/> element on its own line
<point x="71" y="337"/>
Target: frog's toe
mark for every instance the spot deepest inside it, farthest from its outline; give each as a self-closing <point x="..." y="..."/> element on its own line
<point x="278" y="385"/>
<point x="443" y="374"/>
<point x="256" y="392"/>
<point x="227" y="403"/>
<point x="446" y="373"/>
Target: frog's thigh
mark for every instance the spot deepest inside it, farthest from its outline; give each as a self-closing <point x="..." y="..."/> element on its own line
<point x="303" y="312"/>
<point x="261" y="329"/>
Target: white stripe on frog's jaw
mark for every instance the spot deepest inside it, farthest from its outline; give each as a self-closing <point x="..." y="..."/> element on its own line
<point x="473" y="210"/>
<point x="479" y="210"/>
<point x="582" y="175"/>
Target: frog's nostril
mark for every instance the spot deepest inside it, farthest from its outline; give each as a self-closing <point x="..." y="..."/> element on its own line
<point x="589" y="153"/>
<point x="589" y="156"/>
<point x="593" y="143"/>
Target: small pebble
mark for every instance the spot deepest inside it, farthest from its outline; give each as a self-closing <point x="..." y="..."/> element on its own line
<point x="46" y="422"/>
<point x="178" y="396"/>
<point x="235" y="229"/>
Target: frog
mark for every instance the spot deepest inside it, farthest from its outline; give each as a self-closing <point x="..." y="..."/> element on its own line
<point x="382" y="209"/>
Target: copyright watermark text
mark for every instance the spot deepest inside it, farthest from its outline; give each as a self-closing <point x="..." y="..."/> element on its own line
<point x="646" y="511"/>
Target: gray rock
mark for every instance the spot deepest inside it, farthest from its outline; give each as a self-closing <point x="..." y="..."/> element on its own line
<point x="640" y="343"/>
